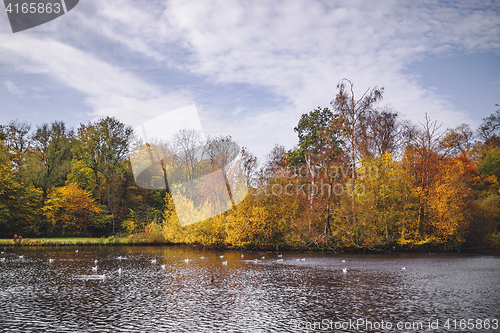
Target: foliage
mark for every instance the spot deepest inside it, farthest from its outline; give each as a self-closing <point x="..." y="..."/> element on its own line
<point x="359" y="179"/>
<point x="72" y="210"/>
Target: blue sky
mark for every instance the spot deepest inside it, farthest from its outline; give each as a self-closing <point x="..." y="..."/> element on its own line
<point x="251" y="68"/>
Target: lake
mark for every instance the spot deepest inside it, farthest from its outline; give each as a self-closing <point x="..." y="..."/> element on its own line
<point x="130" y="292"/>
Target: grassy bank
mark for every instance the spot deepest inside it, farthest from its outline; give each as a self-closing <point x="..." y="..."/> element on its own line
<point x="144" y="239"/>
<point x="130" y="240"/>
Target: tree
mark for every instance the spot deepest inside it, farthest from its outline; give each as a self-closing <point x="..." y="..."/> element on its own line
<point x="250" y="165"/>
<point x="490" y="128"/>
<point x="16" y="138"/>
<point x="319" y="148"/>
<point x="19" y="203"/>
<point x="102" y="146"/>
<point x="424" y="160"/>
<point x="379" y="133"/>
<point x="351" y="111"/>
<point x="49" y="158"/>
<point x="72" y="210"/>
<point x="458" y="141"/>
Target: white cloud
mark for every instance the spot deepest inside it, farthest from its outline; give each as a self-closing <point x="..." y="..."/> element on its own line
<point x="13" y="89"/>
<point x="110" y="90"/>
<point x="298" y="50"/>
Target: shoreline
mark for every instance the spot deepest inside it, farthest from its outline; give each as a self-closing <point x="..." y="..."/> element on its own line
<point x="281" y="248"/>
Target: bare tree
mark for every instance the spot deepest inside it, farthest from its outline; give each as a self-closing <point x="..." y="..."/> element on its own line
<point x="351" y="112"/>
<point x="250" y="164"/>
<point x="458" y="141"/>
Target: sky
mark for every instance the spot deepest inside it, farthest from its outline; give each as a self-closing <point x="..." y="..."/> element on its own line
<point x="251" y="68"/>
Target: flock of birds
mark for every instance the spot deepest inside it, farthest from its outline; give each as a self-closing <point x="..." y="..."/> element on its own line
<point x="163" y="267"/>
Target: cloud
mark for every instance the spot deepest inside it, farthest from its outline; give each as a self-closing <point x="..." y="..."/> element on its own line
<point x="110" y="90"/>
<point x="13" y="89"/>
<point x="297" y="51"/>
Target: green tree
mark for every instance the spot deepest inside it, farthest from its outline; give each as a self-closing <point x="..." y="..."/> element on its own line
<point x="102" y="146"/>
<point x="48" y="160"/>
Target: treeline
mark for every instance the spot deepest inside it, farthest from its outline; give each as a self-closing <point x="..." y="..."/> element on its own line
<point x="359" y="178"/>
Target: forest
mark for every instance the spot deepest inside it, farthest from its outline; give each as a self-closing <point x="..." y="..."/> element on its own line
<point x="360" y="178"/>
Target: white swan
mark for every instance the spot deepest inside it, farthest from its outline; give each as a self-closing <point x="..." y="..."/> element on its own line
<point x="280" y="256"/>
<point x="21" y="257"/>
<point x="343" y="260"/>
<point x="51" y="260"/>
<point x="153" y="261"/>
<point x="221" y="257"/>
<point x="224" y="263"/>
<point x="162" y="266"/>
<point x="344" y="270"/>
<point x="76" y="251"/>
<point x="263" y="257"/>
<point x="403" y="268"/>
<point x="94" y="269"/>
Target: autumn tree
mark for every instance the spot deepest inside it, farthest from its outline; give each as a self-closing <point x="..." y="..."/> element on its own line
<point x="250" y="165"/>
<point x="72" y="210"/>
<point x="351" y="111"/>
<point x="19" y="203"/>
<point x="16" y="138"/>
<point x="102" y="147"/>
<point x="319" y="148"/>
<point x="49" y="158"/>
<point x="423" y="157"/>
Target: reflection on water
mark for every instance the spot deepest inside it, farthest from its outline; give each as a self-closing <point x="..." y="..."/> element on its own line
<point x="130" y="291"/>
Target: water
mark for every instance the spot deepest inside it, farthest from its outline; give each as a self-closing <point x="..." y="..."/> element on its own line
<point x="292" y="295"/>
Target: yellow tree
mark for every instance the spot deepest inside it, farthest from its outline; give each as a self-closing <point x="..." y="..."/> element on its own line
<point x="448" y="202"/>
<point x="71" y="210"/>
